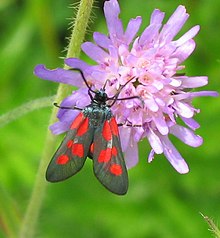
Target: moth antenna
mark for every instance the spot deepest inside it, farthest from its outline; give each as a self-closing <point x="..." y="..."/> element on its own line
<point x="61" y="107"/>
<point x="105" y="84"/>
<point x="115" y="97"/>
<point x="85" y="81"/>
<point x="83" y="77"/>
<point x="120" y="88"/>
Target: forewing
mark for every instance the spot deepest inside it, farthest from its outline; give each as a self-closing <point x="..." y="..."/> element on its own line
<point x="71" y="155"/>
<point x="108" y="159"/>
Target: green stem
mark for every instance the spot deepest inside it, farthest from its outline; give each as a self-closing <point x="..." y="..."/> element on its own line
<point x="10" y="218"/>
<point x="25" y="108"/>
<point x="212" y="226"/>
<point x="77" y="36"/>
<point x="31" y="216"/>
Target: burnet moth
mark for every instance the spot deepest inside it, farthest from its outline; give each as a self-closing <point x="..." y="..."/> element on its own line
<point x="94" y="134"/>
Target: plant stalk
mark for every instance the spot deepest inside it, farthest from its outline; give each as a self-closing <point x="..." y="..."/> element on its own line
<point x="31" y="216"/>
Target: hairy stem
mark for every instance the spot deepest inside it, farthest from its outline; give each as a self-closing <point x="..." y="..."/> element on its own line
<point x="35" y="203"/>
<point x="25" y="108"/>
<point x="213" y="227"/>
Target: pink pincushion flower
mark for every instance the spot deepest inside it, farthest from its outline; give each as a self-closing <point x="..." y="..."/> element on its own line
<point x="153" y="60"/>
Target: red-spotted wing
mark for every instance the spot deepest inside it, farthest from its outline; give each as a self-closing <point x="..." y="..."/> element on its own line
<point x="109" y="165"/>
<point x="71" y="155"/>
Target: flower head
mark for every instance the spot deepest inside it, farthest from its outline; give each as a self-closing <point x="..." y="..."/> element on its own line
<point x="151" y="63"/>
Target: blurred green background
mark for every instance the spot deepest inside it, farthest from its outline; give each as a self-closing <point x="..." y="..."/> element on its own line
<point x="160" y="202"/>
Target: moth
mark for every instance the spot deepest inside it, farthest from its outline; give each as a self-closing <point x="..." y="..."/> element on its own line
<point x="93" y="133"/>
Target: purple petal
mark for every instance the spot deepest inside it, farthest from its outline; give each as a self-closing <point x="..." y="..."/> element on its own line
<point x="99" y="76"/>
<point x="151" y="104"/>
<point x="154" y="141"/>
<point x="102" y="40"/>
<point x="174" y="156"/>
<point x="169" y="49"/>
<point x="69" y="101"/>
<point x="138" y="133"/>
<point x="184" y="51"/>
<point x="204" y="94"/>
<point x="151" y="32"/>
<point x="113" y="52"/>
<point x="160" y="123"/>
<point x="186" y="135"/>
<point x="151" y="156"/>
<point x="115" y="28"/>
<point x="175" y="82"/>
<point x="65" y="121"/>
<point x="76" y="63"/>
<point x="174" y="24"/>
<point x="194" y="82"/>
<point x="187" y="36"/>
<point x="131" y="155"/>
<point x="59" y="128"/>
<point x="132" y="29"/>
<point x="191" y="123"/>
<point x="191" y="95"/>
<point x="59" y="75"/>
<point x="94" y="52"/>
<point x="184" y="109"/>
<point x="125" y="133"/>
<point x="157" y="17"/>
<point x="78" y="98"/>
<point x="129" y="146"/>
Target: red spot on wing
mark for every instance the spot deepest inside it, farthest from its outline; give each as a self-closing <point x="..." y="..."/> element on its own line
<point x="92" y="148"/>
<point x="78" y="150"/>
<point x="114" y="126"/>
<point x="116" y="169"/>
<point x="83" y="128"/>
<point x="105" y="155"/>
<point x="69" y="143"/>
<point x="106" y="131"/>
<point x="114" y="151"/>
<point x="62" y="159"/>
<point x="76" y="122"/>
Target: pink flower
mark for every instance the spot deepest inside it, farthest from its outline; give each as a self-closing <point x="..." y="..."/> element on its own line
<point x="153" y="60"/>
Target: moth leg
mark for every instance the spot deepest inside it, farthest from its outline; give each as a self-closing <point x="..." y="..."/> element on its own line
<point x="120" y="124"/>
<point x="72" y="108"/>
